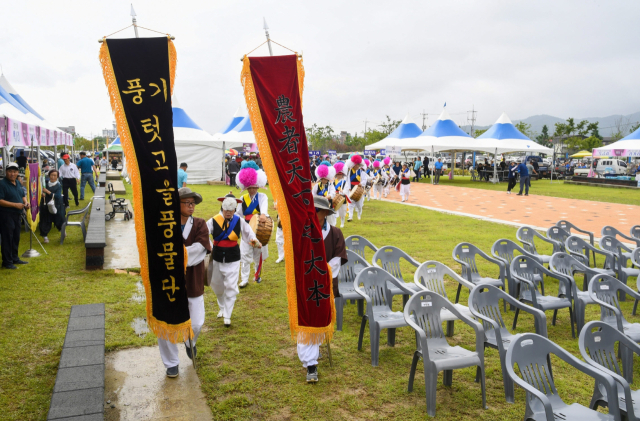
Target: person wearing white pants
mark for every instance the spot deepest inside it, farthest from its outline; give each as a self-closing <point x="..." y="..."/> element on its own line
<point x="341" y="186"/>
<point x="405" y="183"/>
<point x="227" y="228"/>
<point x="196" y="239"/>
<point x="356" y="177"/>
<point x="378" y="176"/>
<point x="325" y="174"/>
<point x="280" y="242"/>
<point x="388" y="173"/>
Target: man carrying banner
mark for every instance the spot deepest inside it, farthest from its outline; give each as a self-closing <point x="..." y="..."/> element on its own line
<point x="336" y="254"/>
<point x="251" y="178"/>
<point x="356" y="177"/>
<point x="226" y="228"/>
<point x="12" y="203"/>
<point x="196" y="240"/>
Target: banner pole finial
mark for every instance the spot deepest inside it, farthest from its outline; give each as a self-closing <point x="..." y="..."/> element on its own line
<point x="266" y="31"/>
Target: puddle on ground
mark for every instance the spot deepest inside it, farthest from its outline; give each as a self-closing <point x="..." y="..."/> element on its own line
<point x="140" y="327"/>
<point x="139" y="296"/>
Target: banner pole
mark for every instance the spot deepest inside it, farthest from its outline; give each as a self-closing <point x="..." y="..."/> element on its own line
<point x="266" y="31"/>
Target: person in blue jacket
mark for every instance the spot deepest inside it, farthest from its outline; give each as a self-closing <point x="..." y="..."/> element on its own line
<point x="524" y="177"/>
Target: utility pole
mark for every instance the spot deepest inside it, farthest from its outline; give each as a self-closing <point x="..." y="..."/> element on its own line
<point x="472" y="119"/>
<point x="424" y="120"/>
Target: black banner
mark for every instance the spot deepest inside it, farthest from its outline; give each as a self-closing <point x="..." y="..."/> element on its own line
<point x="143" y="69"/>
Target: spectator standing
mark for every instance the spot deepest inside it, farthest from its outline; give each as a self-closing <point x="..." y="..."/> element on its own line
<point x="103" y="161"/>
<point x="182" y="175"/>
<point x="86" y="166"/>
<point x="70" y="177"/>
<point x="51" y="190"/>
<point x="532" y="170"/>
<point x="397" y="168"/>
<point x="417" y="165"/>
<point x="259" y="161"/>
<point x="22" y="160"/>
<point x="425" y="164"/>
<point x="12" y="204"/>
<point x="512" y="177"/>
<point x="60" y="160"/>
<point x="233" y="169"/>
<point x="438" y="171"/>
<point x="114" y="163"/>
<point x="312" y="167"/>
<point x="524" y="177"/>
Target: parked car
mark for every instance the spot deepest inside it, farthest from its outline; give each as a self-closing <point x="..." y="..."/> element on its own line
<point x="544" y="170"/>
<point x="602" y="166"/>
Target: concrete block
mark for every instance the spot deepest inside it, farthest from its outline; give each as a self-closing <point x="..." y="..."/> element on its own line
<point x="85" y="323"/>
<point x="76" y="378"/>
<point x="84" y="355"/>
<point x="76" y="338"/>
<point x="76" y="403"/>
<point x="87" y="310"/>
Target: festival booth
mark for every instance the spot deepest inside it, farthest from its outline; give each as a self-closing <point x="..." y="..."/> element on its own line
<point x="196" y="147"/>
<point x="399" y="137"/>
<point x="503" y="137"/>
<point x="626" y="147"/>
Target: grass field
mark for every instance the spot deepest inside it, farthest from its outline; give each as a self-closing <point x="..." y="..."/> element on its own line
<point x="553" y="189"/>
<point x="251" y="371"/>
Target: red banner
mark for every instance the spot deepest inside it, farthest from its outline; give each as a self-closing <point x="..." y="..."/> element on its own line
<point x="273" y="91"/>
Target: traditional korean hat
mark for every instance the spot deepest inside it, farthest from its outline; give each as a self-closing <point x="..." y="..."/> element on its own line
<point x="185" y="193"/>
<point x="250" y="175"/>
<point x="354" y="161"/>
<point x="229" y="202"/>
<point x="321" y="202"/>
<point x="325" y="170"/>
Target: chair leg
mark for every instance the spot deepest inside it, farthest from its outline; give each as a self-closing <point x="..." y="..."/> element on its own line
<point x="352" y="301"/>
<point x="555" y="315"/>
<point x="458" y="293"/>
<point x="374" y="337"/>
<point x="391" y="336"/>
<point x="627" y="364"/>
<point x="579" y="315"/>
<point x="450" y="328"/>
<point x="483" y="387"/>
<point x="405" y="298"/>
<point x="515" y="318"/>
<point x="412" y="373"/>
<point x="360" y="337"/>
<point x="63" y="232"/>
<point x="360" y="304"/>
<point x="430" y="386"/>
<point x="339" y="303"/>
<point x="507" y="382"/>
<point x="571" y="319"/>
<point x="447" y="377"/>
<point x="622" y="296"/>
<point x="635" y="307"/>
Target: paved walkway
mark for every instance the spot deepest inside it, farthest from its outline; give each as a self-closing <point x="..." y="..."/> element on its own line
<point x="533" y="210"/>
<point x="121" y="251"/>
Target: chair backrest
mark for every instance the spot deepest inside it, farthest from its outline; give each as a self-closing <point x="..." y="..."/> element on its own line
<point x="422" y="312"/>
<point x="565" y="264"/>
<point x="635" y="231"/>
<point x="605" y="288"/>
<point x="373" y="282"/>
<point x="350" y="270"/>
<point x="431" y="275"/>
<point x="560" y="235"/>
<point x="466" y="252"/>
<point x="388" y="258"/>
<point x="530" y="352"/>
<point x="613" y="245"/>
<point x="597" y="342"/>
<point x="526" y="235"/>
<point x="609" y="230"/>
<point x="635" y="257"/>
<point x="357" y="244"/>
<point x="576" y="246"/>
<point x="485" y="299"/>
<point x="505" y="250"/>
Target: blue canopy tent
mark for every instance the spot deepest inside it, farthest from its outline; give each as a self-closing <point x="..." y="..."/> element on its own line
<point x="406" y="130"/>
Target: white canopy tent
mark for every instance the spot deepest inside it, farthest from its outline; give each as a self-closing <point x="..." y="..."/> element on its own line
<point x="237" y="118"/>
<point x="626" y="147"/>
<point x="399" y="137"/>
<point x="240" y="134"/>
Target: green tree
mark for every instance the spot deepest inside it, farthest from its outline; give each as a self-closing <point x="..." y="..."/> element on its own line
<point x="525" y="129"/>
<point x="101" y="141"/>
<point x="319" y="137"/>
<point x="590" y="143"/>
<point x="575" y="133"/>
<point x="634" y="127"/>
<point x="479" y="132"/>
<point x="82" y="144"/>
<point x="389" y="126"/>
<point x="543" y="138"/>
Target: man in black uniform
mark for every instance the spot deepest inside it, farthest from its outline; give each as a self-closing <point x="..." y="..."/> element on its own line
<point x="12" y="204"/>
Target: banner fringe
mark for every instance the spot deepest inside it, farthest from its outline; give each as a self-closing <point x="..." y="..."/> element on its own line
<point x="302" y="334"/>
<point x="172" y="333"/>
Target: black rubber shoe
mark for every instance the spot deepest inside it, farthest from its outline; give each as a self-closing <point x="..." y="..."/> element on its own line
<point x="11" y="266"/>
<point x="195" y="351"/>
<point x="258" y="280"/>
<point x="172" y="371"/>
<point x="20" y="262"/>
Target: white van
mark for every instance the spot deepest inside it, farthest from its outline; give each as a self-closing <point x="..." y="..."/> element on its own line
<point x="603" y="166"/>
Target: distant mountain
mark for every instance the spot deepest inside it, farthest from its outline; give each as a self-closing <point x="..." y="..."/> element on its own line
<point x="607" y="125"/>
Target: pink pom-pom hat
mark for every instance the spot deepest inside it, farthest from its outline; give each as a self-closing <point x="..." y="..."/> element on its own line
<point x="322" y="171"/>
<point x="367" y="162"/>
<point x="339" y="166"/>
<point x="376" y="164"/>
<point x="247" y="177"/>
<point x="356" y="159"/>
<point x="387" y="160"/>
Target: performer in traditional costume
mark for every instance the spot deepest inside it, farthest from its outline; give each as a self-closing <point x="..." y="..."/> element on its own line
<point x="405" y="182"/>
<point x="254" y="204"/>
<point x="368" y="171"/>
<point x="279" y="237"/>
<point x="336" y="254"/>
<point x="196" y="239"/>
<point x="227" y="228"/>
<point x="342" y="188"/>
<point x="325" y="174"/>
<point x="388" y="174"/>
<point x="378" y="179"/>
<point x="356" y="176"/>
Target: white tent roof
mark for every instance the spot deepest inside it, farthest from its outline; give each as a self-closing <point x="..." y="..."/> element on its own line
<point x="237" y="118"/>
<point x="503" y="137"/>
<point x="406" y="130"/>
<point x="241" y="133"/>
<point x="627" y="146"/>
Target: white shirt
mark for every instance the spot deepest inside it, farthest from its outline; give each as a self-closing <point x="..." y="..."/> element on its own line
<point x="69" y="171"/>
<point x="247" y="233"/>
<point x="336" y="262"/>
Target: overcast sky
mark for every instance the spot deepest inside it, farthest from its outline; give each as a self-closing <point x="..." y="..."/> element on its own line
<point x="363" y="59"/>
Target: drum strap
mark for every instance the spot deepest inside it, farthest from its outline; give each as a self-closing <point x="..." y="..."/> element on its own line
<point x="251" y="208"/>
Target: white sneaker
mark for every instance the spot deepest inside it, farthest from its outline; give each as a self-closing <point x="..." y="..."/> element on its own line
<point x="227" y="322"/>
<point x="342" y="226"/>
<point x="359" y="216"/>
<point x="243" y="284"/>
<point x="45" y="240"/>
<point x="280" y="259"/>
<point x="219" y="314"/>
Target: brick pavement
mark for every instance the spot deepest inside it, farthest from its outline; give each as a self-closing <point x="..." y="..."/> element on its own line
<point x="533" y="210"/>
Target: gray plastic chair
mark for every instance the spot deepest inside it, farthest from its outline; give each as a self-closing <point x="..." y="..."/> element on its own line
<point x="430" y="277"/>
<point x="422" y="313"/>
<point x="524" y="269"/>
<point x="609" y="230"/>
<point x="579" y="248"/>
<point x="388" y="258"/>
<point x="559" y="235"/>
<point x="530" y="352"/>
<point x="505" y="250"/>
<point x="635" y="260"/>
<point x="484" y="303"/>
<point x="527" y="235"/>
<point x="603" y="290"/>
<point x="347" y="275"/>
<point x="569" y="227"/>
<point x="568" y="266"/>
<point x="465" y="254"/>
<point x="622" y="255"/>
<point x="635" y="232"/>
<point x="82" y="224"/>
<point x="358" y="244"/>
<point x="597" y="346"/>
<point x="375" y="291"/>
